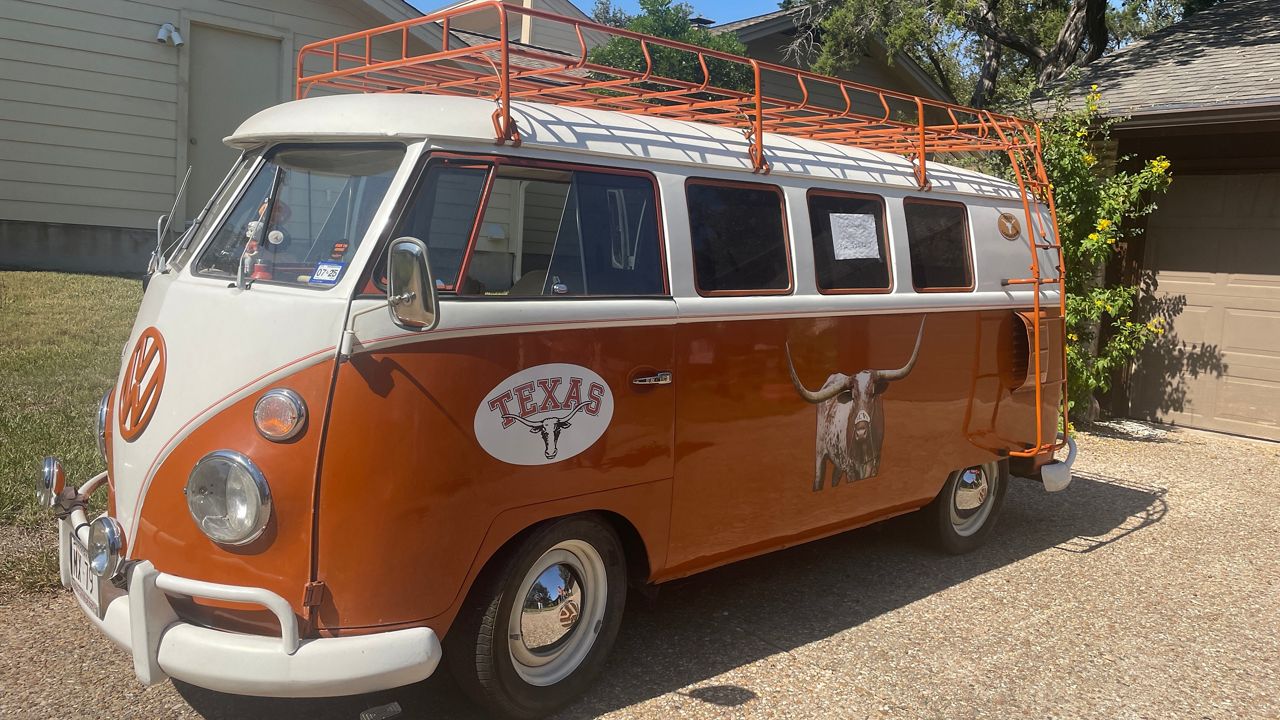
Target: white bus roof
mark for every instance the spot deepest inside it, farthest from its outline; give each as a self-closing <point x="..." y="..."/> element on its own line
<point x="601" y="134"/>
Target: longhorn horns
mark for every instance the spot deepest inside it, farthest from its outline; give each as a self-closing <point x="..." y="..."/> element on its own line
<point x="891" y="375"/>
<point x="827" y="393"/>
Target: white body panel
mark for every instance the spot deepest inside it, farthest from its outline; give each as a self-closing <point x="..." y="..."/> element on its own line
<point x="222" y="343"/>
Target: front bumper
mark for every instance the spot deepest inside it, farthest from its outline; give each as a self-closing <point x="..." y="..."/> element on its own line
<point x="141" y="620"/>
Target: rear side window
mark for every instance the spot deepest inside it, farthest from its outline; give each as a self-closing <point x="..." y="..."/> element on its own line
<point x="938" y="236"/>
<point x="850" y="252"/>
<point x="739" y="240"/>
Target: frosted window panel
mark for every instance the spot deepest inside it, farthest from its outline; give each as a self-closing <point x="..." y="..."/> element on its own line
<point x="854" y="237"/>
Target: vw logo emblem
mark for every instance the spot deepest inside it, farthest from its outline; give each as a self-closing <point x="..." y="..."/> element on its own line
<point x="143" y="380"/>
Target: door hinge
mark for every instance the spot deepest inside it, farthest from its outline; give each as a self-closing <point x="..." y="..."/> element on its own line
<point x="313" y="593"/>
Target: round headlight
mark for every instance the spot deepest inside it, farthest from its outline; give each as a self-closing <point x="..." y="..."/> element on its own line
<point x="52" y="480"/>
<point x="106" y="547"/>
<point x="280" y="414"/>
<point x="102" y="425"/>
<point x="228" y="497"/>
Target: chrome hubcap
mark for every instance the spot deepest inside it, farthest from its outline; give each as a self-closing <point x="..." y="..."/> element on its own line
<point x="553" y="625"/>
<point x="552" y="609"/>
<point x="971" y="500"/>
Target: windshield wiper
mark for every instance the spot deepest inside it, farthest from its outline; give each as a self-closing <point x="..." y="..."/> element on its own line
<point x="190" y="234"/>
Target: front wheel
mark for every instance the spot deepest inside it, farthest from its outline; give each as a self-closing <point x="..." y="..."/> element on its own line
<point x="963" y="514"/>
<point x="539" y="625"/>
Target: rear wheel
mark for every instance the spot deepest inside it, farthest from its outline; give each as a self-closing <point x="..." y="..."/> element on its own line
<point x="540" y="622"/>
<point x="963" y="514"/>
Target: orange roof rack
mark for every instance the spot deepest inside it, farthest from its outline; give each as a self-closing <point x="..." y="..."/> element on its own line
<point x="730" y="93"/>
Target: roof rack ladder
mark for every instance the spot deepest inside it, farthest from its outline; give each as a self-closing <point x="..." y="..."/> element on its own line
<point x="1035" y="189"/>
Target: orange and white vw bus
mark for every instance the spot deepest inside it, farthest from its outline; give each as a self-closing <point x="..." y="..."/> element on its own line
<point x="442" y="369"/>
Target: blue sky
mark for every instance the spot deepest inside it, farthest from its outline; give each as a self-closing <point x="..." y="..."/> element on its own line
<point x="721" y="11"/>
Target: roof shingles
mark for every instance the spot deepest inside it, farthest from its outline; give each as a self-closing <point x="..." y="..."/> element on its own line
<point x="1224" y="56"/>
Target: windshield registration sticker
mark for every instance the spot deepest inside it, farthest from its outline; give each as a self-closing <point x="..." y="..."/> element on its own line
<point x="326" y="273"/>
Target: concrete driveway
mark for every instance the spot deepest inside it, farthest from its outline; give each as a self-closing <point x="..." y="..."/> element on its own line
<point x="1151" y="588"/>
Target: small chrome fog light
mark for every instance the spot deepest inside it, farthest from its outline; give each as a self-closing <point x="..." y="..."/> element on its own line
<point x="51" y="483"/>
<point x="106" y="547"/>
<point x="228" y="498"/>
<point x="280" y="414"/>
<point x="102" y="424"/>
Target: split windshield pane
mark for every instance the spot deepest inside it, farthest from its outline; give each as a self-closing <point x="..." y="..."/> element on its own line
<point x="303" y="215"/>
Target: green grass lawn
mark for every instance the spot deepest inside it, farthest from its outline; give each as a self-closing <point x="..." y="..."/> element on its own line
<point x="60" y="342"/>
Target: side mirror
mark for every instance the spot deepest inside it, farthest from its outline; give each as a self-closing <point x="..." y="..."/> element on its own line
<point x="411" y="291"/>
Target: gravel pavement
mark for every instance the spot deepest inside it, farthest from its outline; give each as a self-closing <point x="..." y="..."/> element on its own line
<point x="1149" y="589"/>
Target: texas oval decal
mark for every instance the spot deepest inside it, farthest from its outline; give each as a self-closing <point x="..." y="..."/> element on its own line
<point x="544" y="414"/>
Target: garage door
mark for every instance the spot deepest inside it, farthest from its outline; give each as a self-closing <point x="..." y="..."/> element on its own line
<point x="1213" y="251"/>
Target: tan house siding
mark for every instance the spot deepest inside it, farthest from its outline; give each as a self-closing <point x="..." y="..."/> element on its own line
<point x="93" y="111"/>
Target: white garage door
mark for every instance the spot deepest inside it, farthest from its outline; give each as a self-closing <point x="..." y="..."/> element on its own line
<point x="1213" y="250"/>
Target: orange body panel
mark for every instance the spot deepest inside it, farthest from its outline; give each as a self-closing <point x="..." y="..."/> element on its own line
<point x="280" y="560"/>
<point x="746" y="441"/>
<point x="407" y="495"/>
<point x="411" y="507"/>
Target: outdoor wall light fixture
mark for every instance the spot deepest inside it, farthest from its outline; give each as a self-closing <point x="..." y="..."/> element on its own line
<point x="169" y="34"/>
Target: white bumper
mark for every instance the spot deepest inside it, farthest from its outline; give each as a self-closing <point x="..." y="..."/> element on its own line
<point x="141" y="620"/>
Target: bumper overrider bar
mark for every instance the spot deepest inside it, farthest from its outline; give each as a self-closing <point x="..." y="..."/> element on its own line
<point x="135" y="612"/>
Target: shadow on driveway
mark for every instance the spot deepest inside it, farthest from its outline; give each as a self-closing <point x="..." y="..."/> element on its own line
<point x="700" y="627"/>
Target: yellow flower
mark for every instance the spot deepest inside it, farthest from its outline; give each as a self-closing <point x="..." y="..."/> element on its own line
<point x="1073" y="337"/>
<point x="1089" y="159"/>
<point x="1094" y="88"/>
<point x="1093" y="236"/>
<point x="1111" y="241"/>
<point x="1081" y="133"/>
<point x="1103" y="224"/>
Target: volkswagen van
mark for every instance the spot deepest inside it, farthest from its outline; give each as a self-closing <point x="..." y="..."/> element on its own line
<point x="449" y="363"/>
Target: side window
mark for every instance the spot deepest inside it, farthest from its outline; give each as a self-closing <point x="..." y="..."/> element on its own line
<point x="938" y="235"/>
<point x="739" y="240"/>
<point x="850" y="251"/>
<point x="553" y="232"/>
<point x="443" y="213"/>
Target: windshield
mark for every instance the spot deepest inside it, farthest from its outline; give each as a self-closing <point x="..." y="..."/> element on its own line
<point x="303" y="214"/>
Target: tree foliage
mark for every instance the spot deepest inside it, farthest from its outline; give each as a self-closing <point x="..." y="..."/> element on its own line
<point x="986" y="52"/>
<point x="1096" y="204"/>
<point x="669" y="19"/>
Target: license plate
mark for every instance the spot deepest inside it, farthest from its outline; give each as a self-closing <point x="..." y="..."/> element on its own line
<point x="83" y="580"/>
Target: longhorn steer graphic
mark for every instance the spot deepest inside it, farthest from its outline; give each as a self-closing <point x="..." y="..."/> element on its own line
<point x="851" y="418"/>
<point x="549" y="428"/>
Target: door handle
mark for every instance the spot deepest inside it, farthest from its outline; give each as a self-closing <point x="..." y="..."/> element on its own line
<point x="662" y="378"/>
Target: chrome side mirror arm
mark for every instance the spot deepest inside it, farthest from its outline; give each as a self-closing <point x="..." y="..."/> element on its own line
<point x="411" y="294"/>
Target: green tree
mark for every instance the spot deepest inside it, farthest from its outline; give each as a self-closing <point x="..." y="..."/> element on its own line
<point x="988" y="52"/>
<point x="668" y="19"/>
<point x="1096" y="203"/>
